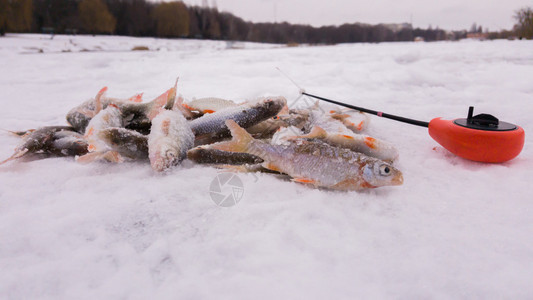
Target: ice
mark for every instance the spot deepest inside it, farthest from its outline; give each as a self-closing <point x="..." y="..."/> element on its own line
<point x="454" y="229"/>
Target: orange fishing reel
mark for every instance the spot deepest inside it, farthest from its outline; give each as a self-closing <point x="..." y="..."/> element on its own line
<point x="481" y="138"/>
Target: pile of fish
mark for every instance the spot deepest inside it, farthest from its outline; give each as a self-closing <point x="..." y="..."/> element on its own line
<point x="325" y="149"/>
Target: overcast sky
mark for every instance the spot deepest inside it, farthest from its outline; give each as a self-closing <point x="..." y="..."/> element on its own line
<point x="446" y="14"/>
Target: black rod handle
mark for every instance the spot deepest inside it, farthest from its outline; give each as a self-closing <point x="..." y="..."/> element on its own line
<point x="377" y="113"/>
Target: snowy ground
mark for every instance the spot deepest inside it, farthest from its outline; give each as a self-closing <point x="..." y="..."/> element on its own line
<point x="455" y="229"/>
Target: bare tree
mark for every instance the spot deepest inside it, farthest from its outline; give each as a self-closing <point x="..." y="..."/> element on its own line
<point x="5" y="11"/>
<point x="95" y="17"/>
<point x="172" y="19"/>
<point x="524" y="17"/>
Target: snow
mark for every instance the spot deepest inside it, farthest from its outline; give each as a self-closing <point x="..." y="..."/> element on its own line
<point x="454" y="229"/>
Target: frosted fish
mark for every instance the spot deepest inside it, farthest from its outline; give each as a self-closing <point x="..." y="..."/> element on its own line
<point x="169" y="140"/>
<point x="246" y="115"/>
<point x="315" y="163"/>
<point x="51" y="141"/>
<point x="136" y="115"/>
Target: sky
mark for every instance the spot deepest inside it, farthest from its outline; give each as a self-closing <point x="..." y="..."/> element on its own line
<point x="448" y="14"/>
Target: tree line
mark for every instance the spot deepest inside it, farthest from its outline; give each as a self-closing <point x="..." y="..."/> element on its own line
<point x="175" y="19"/>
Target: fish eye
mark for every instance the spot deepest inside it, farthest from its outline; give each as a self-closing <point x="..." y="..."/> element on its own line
<point x="170" y="154"/>
<point x="384" y="170"/>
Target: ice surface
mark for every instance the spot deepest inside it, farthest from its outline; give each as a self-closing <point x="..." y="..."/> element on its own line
<point x="455" y="229"/>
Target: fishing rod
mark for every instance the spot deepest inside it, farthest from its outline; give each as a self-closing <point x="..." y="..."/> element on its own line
<point x="481" y="138"/>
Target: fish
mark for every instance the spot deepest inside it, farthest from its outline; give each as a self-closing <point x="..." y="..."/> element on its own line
<point x="169" y="140"/>
<point x="50" y="141"/>
<point x="315" y="163"/>
<point x="127" y="143"/>
<point x="208" y="155"/>
<point x="136" y="115"/>
<point x="246" y="115"/>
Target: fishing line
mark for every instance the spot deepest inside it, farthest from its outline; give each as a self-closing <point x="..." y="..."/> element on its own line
<point x="370" y="111"/>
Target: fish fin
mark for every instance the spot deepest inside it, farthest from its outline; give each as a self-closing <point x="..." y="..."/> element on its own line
<point x="21" y="134"/>
<point x="136" y="98"/>
<point x="346" y="136"/>
<point x="98" y="100"/>
<point x="111" y="156"/>
<point x="360" y="125"/>
<point x="208" y="111"/>
<point x="232" y="168"/>
<point x="182" y="107"/>
<point x="187" y="106"/>
<point x="17" y="154"/>
<point x="87" y="112"/>
<point x="171" y="99"/>
<point x="352" y="184"/>
<point x="304" y="180"/>
<point x="88" y="158"/>
<point x="161" y="100"/>
<point x="338" y="116"/>
<point x="316" y="133"/>
<point x="89" y="132"/>
<point x="284" y="110"/>
<point x="272" y="166"/>
<point x="240" y="141"/>
<point x="370" y="142"/>
<point x="164" y="100"/>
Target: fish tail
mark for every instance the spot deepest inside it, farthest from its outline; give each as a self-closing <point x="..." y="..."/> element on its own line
<point x="284" y="110"/>
<point x="171" y="99"/>
<point x="15" y="156"/>
<point x="239" y="143"/>
<point x="98" y="100"/>
<point x="137" y="98"/>
<point x="182" y="107"/>
<point x="165" y="100"/>
<point x="111" y="156"/>
<point x="316" y="133"/>
<point x="21" y="134"/>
